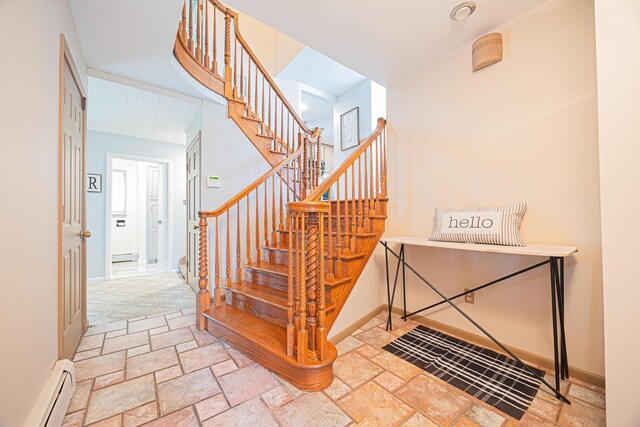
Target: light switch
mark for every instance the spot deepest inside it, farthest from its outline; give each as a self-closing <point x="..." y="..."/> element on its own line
<point x="214" y="181"/>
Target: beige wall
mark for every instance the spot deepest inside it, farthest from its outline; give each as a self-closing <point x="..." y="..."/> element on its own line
<point x="617" y="45"/>
<point x="29" y="187"/>
<point x="524" y="129"/>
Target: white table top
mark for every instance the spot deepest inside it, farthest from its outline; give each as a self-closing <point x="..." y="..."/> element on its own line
<point x="531" y="250"/>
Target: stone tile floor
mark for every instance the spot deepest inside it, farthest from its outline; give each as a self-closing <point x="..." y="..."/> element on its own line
<point x="121" y="270"/>
<point x="129" y="298"/>
<point x="160" y="371"/>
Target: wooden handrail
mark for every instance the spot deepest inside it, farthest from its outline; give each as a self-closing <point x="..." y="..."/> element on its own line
<point x="323" y="187"/>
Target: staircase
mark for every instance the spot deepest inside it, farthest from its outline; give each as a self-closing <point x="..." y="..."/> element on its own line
<point x="278" y="261"/>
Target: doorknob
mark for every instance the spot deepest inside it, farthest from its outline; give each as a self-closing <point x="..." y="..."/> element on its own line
<point x="195" y="227"/>
<point x="84" y="234"/>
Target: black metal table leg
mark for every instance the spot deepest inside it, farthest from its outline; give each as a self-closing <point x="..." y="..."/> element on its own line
<point x="404" y="288"/>
<point x="386" y="262"/>
<point x="556" y="361"/>
<point x="564" y="363"/>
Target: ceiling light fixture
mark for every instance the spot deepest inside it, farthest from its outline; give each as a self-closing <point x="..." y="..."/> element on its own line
<point x="462" y="11"/>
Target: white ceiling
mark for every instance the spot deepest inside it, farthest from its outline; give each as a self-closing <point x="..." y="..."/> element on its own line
<point x="382" y="40"/>
<point x="132" y="39"/>
<point x="125" y="110"/>
<point x="316" y="70"/>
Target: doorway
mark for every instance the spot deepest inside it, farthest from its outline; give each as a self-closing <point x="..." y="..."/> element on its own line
<point x="137" y="227"/>
<point x="193" y="207"/>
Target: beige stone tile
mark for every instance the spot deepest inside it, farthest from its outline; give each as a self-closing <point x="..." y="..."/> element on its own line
<point x="211" y="407"/>
<point x="544" y="409"/>
<point x="397" y="366"/>
<point x="311" y="410"/>
<point x="530" y="420"/>
<point x="204" y="338"/>
<point x="172" y="315"/>
<point x="246" y="383"/>
<point x="372" y="324"/>
<point x="465" y="422"/>
<point x="223" y="368"/>
<point x="373" y="402"/>
<point x="146" y="324"/>
<point x="90" y="342"/>
<point x="348" y="344"/>
<point x="580" y="414"/>
<point x="252" y="413"/>
<point x="158" y="330"/>
<point x="125" y="341"/>
<point x="98" y="366"/>
<point x="87" y="354"/>
<point x="356" y="332"/>
<point x="107" y="327"/>
<point x="109" y="379"/>
<point x="484" y="416"/>
<point x="170" y="338"/>
<point x="200" y="357"/>
<point x="551" y="379"/>
<point x="183" y="418"/>
<point x="368" y="351"/>
<point x="168" y="374"/>
<point x="117" y="333"/>
<point x="151" y="362"/>
<point x="395" y="318"/>
<point x="189" y="345"/>
<point x="389" y="381"/>
<point x="354" y="369"/>
<point x="588" y="395"/>
<point x="240" y="359"/>
<point x="376" y="337"/>
<point x="186" y="390"/>
<point x="115" y="399"/>
<point x="419" y="420"/>
<point x="400" y="331"/>
<point x="115" y="421"/>
<point x="73" y="420"/>
<point x="141" y="415"/>
<point x="295" y="391"/>
<point x="277" y="397"/>
<point x="182" y="321"/>
<point x="433" y="399"/>
<point x="135" y="351"/>
<point x="80" y="396"/>
<point x="190" y="310"/>
<point x="337" y="389"/>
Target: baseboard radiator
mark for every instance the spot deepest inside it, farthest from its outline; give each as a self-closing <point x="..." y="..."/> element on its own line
<point x="54" y="399"/>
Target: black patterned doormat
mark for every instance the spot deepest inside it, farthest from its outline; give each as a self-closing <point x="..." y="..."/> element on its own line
<point x="485" y="374"/>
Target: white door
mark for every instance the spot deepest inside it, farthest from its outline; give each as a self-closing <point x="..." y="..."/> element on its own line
<point x="153" y="213"/>
<point x="193" y="206"/>
<point x="73" y="251"/>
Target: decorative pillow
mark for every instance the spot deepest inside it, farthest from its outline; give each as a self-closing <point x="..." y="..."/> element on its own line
<point x="490" y="226"/>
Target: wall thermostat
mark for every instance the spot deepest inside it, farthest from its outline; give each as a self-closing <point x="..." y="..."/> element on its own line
<point x="214" y="181"/>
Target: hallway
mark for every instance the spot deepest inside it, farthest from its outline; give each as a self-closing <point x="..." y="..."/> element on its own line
<point x="129" y="298"/>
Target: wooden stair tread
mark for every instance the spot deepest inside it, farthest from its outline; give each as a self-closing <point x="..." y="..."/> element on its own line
<point x="258" y="292"/>
<point x="364" y="234"/>
<point x="270" y="137"/>
<point x="253" y="328"/>
<point x="278" y="247"/>
<point x="252" y="119"/>
<point x="284" y="153"/>
<point x="270" y="267"/>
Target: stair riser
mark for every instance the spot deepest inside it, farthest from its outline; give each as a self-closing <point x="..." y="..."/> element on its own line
<point x="268" y="312"/>
<point x="277" y="256"/>
<point x="274" y="281"/>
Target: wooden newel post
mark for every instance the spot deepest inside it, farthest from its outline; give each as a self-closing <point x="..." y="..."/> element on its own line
<point x="308" y="288"/>
<point x="203" y="300"/>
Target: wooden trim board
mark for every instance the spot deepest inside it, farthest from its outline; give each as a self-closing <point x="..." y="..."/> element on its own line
<point x="589" y="377"/>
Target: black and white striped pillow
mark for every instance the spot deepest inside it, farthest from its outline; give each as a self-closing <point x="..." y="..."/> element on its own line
<point x="490" y="226"/>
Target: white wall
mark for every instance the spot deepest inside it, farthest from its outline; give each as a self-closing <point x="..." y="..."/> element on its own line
<point x="29" y="184"/>
<point x="358" y="96"/>
<point x="524" y="129"/>
<point x="98" y="145"/>
<point x="617" y="45"/>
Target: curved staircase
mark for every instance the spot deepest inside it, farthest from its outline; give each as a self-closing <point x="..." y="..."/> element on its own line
<point x="278" y="261"/>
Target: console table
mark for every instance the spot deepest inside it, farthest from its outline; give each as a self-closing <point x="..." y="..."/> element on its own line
<point x="554" y="255"/>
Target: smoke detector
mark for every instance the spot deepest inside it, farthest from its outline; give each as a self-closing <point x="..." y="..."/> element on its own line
<point x="462" y="11"/>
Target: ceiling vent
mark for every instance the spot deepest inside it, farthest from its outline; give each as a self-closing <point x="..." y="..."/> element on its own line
<point x="462" y="11"/>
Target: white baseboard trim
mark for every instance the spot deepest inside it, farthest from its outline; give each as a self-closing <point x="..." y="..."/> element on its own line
<point x="94" y="280"/>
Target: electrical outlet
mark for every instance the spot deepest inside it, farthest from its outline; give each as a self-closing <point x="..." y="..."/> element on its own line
<point x="469" y="298"/>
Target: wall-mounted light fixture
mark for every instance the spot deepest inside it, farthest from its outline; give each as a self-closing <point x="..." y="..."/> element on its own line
<point x="487" y="50"/>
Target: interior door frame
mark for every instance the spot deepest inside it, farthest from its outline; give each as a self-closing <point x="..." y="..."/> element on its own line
<point x="65" y="56"/>
<point x="197" y="140"/>
<point x="167" y="202"/>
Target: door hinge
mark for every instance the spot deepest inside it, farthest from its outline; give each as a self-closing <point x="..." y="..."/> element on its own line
<point x="84" y="103"/>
